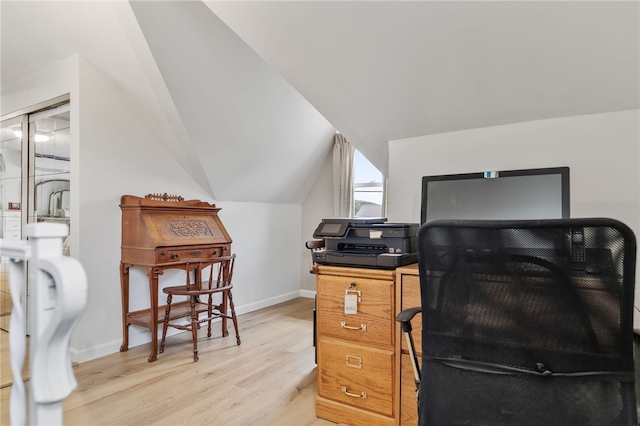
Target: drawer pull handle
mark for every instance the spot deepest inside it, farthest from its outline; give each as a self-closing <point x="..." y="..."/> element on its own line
<point x="362" y="327"/>
<point x="196" y="252"/>
<point x="362" y="395"/>
<point x="354" y="362"/>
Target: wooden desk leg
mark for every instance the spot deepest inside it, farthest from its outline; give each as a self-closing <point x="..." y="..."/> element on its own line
<point x="153" y="326"/>
<point x="124" y="286"/>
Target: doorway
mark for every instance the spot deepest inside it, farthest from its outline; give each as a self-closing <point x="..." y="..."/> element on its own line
<point x="10" y="201"/>
<point x="34" y="187"/>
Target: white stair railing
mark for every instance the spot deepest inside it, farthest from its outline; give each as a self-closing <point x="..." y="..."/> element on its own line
<point x="57" y="297"/>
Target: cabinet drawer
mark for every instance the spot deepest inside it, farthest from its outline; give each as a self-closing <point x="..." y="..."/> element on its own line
<point x="374" y="321"/>
<point x="174" y="255"/>
<point x="12" y="225"/>
<point x="356" y="375"/>
<point x="411" y="298"/>
<point x="12" y="235"/>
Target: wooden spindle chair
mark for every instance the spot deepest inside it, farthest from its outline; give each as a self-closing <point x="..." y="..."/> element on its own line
<point x="200" y="294"/>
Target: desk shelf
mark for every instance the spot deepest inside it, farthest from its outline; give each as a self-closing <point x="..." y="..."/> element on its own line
<point x="178" y="310"/>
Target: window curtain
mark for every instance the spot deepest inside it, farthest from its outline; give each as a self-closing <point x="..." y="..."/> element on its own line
<point x="342" y="176"/>
<point x="385" y="187"/>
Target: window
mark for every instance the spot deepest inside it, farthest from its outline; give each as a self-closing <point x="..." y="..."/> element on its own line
<point x="368" y="188"/>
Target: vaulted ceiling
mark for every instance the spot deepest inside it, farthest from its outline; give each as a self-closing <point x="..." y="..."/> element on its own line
<point x="266" y="83"/>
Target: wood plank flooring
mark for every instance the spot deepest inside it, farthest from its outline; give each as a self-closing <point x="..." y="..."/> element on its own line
<point x="5" y="299"/>
<point x="6" y="375"/>
<point x="270" y="379"/>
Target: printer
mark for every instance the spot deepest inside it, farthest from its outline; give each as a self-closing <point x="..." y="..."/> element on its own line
<point x="366" y="242"/>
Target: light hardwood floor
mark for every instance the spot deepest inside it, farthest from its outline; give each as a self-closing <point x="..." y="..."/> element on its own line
<point x="270" y="379"/>
<point x="5" y="299"/>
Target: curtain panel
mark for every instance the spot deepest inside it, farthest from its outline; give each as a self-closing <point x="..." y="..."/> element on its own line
<point x="343" y="153"/>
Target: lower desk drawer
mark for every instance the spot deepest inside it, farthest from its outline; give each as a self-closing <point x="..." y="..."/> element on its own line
<point x="356" y="375"/>
<point x="174" y="255"/>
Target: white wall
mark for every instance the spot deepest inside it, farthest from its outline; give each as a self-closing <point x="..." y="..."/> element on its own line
<point x="114" y="154"/>
<point x="265" y="239"/>
<point x="118" y="155"/>
<point x="318" y="205"/>
<point x="54" y="79"/>
<point x="602" y="151"/>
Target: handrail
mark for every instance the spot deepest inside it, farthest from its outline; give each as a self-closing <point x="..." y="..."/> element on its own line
<point x="57" y="297"/>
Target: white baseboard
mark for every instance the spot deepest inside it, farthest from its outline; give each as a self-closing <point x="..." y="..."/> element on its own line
<point x="310" y="294"/>
<point x="267" y="302"/>
<point x="140" y="336"/>
<point x="137" y="336"/>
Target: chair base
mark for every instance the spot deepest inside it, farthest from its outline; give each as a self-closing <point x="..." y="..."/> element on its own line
<point x="184" y="309"/>
<point x="196" y="289"/>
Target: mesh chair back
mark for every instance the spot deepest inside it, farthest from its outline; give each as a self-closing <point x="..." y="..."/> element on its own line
<point x="527" y="322"/>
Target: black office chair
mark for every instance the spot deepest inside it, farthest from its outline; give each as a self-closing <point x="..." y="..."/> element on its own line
<point x="526" y="323"/>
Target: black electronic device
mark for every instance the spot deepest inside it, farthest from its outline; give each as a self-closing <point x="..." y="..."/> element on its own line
<point x="366" y="242"/>
<point x="337" y="227"/>
<point x="497" y="195"/>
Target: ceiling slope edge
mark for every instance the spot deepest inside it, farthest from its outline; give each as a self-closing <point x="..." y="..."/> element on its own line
<point x="260" y="139"/>
<point x="167" y="125"/>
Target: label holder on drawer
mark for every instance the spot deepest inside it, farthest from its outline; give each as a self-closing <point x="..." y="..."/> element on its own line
<point x="354" y="361"/>
<point x="351" y="299"/>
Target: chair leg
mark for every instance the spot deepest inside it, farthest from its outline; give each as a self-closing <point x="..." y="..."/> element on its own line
<point x="233" y="317"/>
<point x="223" y="310"/>
<point x="197" y="300"/>
<point x="165" y="324"/>
<point x="194" y="329"/>
<point x="210" y="314"/>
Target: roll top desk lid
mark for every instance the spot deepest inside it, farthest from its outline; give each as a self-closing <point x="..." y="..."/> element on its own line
<point x="159" y="221"/>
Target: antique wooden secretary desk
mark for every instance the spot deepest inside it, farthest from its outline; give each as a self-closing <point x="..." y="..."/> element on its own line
<point x="159" y="230"/>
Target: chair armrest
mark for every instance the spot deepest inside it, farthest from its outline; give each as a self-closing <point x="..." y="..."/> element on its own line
<point x="315" y="244"/>
<point x="405" y="317"/>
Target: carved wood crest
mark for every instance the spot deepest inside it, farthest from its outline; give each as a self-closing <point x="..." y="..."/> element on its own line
<point x="189" y="228"/>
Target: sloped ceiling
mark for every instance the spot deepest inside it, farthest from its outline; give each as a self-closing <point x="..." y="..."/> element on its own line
<point x="385" y="70"/>
<point x="255" y="134"/>
<point x="247" y="94"/>
<point x="234" y="124"/>
<point x="35" y="34"/>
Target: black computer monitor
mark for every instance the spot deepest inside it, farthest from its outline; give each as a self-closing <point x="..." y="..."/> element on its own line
<point x="497" y="195"/>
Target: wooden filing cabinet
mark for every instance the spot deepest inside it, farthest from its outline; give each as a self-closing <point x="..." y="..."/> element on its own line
<point x="356" y="350"/>
<point x="407" y="296"/>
